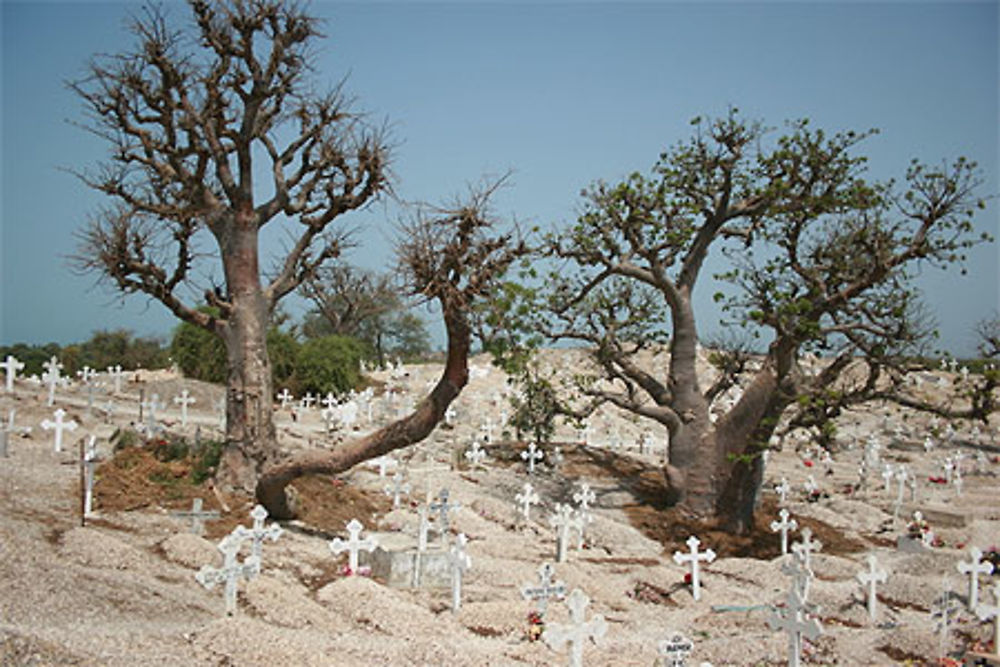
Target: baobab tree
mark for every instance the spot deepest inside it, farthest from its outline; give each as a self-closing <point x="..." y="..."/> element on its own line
<point x="215" y="132"/>
<point x="821" y="261"/>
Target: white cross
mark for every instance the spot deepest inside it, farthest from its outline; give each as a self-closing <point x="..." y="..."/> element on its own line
<point x="184" y="400"/>
<point x="675" y="650"/>
<point x="584" y="497"/>
<point x="694" y="558"/>
<point x="59" y="425"/>
<point x="792" y="619"/>
<point x="151" y="406"/>
<point x="475" y="455"/>
<point x="115" y="372"/>
<point x="942" y="610"/>
<point x="868" y="578"/>
<point x="887" y="477"/>
<point x="383" y="463"/>
<point x="329" y="400"/>
<point x="578" y="630"/>
<point x="86" y="374"/>
<point x="229" y="573"/>
<point x="985" y="612"/>
<point x="562" y="522"/>
<point x="902" y="475"/>
<point x="974" y="567"/>
<point x="810" y="485"/>
<point x="397" y="488"/>
<point x="196" y="515"/>
<point x="258" y="533"/>
<point x="307" y="400"/>
<point x="805" y="548"/>
<point x="531" y="455"/>
<point x="545" y="589"/>
<point x="443" y="507"/>
<point x="52" y="368"/>
<point x="784" y="526"/>
<point x="285" y="397"/>
<point x="11" y="365"/>
<point x="425" y="525"/>
<point x="88" y="462"/>
<point x="782" y="490"/>
<point x="526" y="499"/>
<point x="487" y="430"/>
<point x="449" y="415"/>
<point x="8" y="428"/>
<point x="800" y="574"/>
<point x="353" y="545"/>
<point x="460" y="562"/>
<point x="928" y="444"/>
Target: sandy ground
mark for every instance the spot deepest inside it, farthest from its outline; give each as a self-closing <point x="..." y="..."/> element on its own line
<point x="121" y="591"/>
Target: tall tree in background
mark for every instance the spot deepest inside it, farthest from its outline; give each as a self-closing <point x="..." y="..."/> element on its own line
<point x="215" y="132"/>
<point x="822" y="261"/>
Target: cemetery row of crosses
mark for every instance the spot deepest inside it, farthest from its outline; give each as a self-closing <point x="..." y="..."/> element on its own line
<point x="476" y="548"/>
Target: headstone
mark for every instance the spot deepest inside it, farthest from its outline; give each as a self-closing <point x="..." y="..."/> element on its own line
<point x="578" y="630"/>
<point x="59" y="425"/>
<point x="11" y="366"/>
<point x="784" y="526"/>
<point x="397" y="488"/>
<point x="259" y="532"/>
<point x="353" y="545"/>
<point x="460" y="562"/>
<point x="475" y="455"/>
<point x="675" y="650"/>
<point x="793" y="620"/>
<point x="230" y="572"/>
<point x="869" y="578"/>
<point x="51" y="376"/>
<point x="532" y="455"/>
<point x="184" y="400"/>
<point x="987" y="611"/>
<point x="545" y="589"/>
<point x="694" y="558"/>
<point x="973" y="568"/>
<point x="525" y="500"/>
<point x="197" y="516"/>
<point x="806" y="547"/>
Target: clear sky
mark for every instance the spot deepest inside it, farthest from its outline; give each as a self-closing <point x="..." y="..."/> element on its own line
<point x="561" y="93"/>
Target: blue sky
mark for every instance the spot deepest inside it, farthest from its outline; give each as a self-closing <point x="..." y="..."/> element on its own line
<point x="562" y="94"/>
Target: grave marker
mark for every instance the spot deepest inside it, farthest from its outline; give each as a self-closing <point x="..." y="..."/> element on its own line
<point x="7" y="429"/>
<point x="460" y="562"/>
<point x="793" y="620"/>
<point x="11" y="366"/>
<point x="694" y="558"/>
<point x="285" y="397"/>
<point x="59" y="425"/>
<point x="805" y="548"/>
<point x="784" y="526"/>
<point x="151" y="406"/>
<point x="353" y="545"/>
<point x="115" y="373"/>
<point x="525" y="500"/>
<point x="973" y="568"/>
<point x="578" y="631"/>
<point x="307" y="400"/>
<point x="230" y="572"/>
<point x="800" y="574"/>
<point x="88" y="461"/>
<point x="383" y="463"/>
<point x="675" y="650"/>
<point x="184" y="400"/>
<point x="197" y="516"/>
<point x="544" y="590"/>
<point x="443" y="508"/>
<point x="475" y="455"/>
<point x="868" y="578"/>
<point x="941" y="612"/>
<point x="258" y="533"/>
<point x="562" y="522"/>
<point x="531" y="455"/>
<point x="985" y="612"/>
<point x="51" y="376"/>
<point x="397" y="488"/>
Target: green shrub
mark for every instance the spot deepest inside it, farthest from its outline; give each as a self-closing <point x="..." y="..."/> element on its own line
<point x="329" y="364"/>
<point x="200" y="354"/>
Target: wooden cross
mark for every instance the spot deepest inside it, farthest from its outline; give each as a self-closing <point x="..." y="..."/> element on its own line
<point x="784" y="526"/>
<point x="526" y="499"/>
<point x="675" y="650"/>
<point x="974" y="567"/>
<point x="11" y="366"/>
<point x="353" y="545"/>
<point x="196" y="515"/>
<point x="578" y="631"/>
<point x="545" y="589"/>
<point x="397" y="488"/>
<point x="531" y="455"/>
<point x="258" y="533"/>
<point x="230" y="572"/>
<point x="805" y="548"/>
<point x="694" y="558"/>
<point x="285" y="397"/>
<point x="59" y="425"/>
<point x="869" y="578"/>
<point x="793" y="620"/>
<point x="985" y="612"/>
<point x="460" y="562"/>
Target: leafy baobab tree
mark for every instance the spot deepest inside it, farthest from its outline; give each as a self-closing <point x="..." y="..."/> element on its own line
<point x="215" y="132"/>
<point x="821" y="261"/>
<point x="454" y="259"/>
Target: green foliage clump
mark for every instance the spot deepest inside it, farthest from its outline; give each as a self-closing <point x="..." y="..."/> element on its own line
<point x="283" y="351"/>
<point x="329" y="364"/>
<point x="200" y="354"/>
<point x="536" y="409"/>
<point x="103" y="349"/>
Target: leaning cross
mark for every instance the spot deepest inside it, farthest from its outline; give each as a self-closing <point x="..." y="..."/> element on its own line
<point x="258" y="533"/>
<point x="792" y="619"/>
<point x="460" y="562"/>
<point x="869" y="578"/>
<point x="52" y="368"/>
<point x="578" y="630"/>
<point x="353" y="545"/>
<point x="526" y="499"/>
<point x="230" y="572"/>
<point x="11" y="365"/>
<point x="974" y="567"/>
<point x="675" y="650"/>
<point x="531" y="455"/>
<point x="545" y="589"/>
<point x="694" y="558"/>
<point x="985" y="611"/>
<point x="784" y="526"/>
<point x="59" y="425"/>
<point x="196" y="515"/>
<point x="805" y="548"/>
<point x="184" y="400"/>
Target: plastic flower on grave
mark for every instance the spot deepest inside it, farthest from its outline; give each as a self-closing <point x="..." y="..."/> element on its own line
<point x="807" y="463"/>
<point x="687" y="579"/>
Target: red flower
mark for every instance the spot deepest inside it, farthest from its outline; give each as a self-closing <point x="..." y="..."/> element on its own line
<point x="687" y="578"/>
<point x="807" y="463"/>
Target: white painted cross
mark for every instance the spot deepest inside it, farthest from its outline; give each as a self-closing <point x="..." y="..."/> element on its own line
<point x="89" y="462"/>
<point x="578" y="631"/>
<point x="353" y="545"/>
<point x="59" y="425"/>
<point x="675" y="649"/>
<point x="806" y="547"/>
<point x="973" y="568"/>
<point x="475" y="455"/>
<point x="329" y="401"/>
<point x="285" y="397"/>
<point x="887" y="476"/>
<point x="184" y="400"/>
<point x="793" y="620"/>
<point x="397" y="488"/>
<point x="941" y="611"/>
<point x="563" y="521"/>
<point x="531" y="455"/>
<point x="526" y="499"/>
<point x="52" y="368"/>
<point x="307" y="400"/>
<point x="868" y="578"/>
<point x="115" y="373"/>
<point x="425" y="526"/>
<point x="784" y="526"/>
<point x="197" y="516"/>
<point x="985" y="612"/>
<point x="229" y="573"/>
<point x="459" y="562"/>
<point x="11" y="365"/>
<point x="800" y="574"/>
<point x="928" y="444"/>
<point x="8" y="428"/>
<point x="151" y="406"/>
<point x="584" y="497"/>
<point x="902" y="475"/>
<point x="811" y="486"/>
<point x="443" y="508"/>
<point x="694" y="558"/>
<point x="258" y="533"/>
<point x="782" y="490"/>
<point x="545" y="589"/>
<point x="86" y="374"/>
